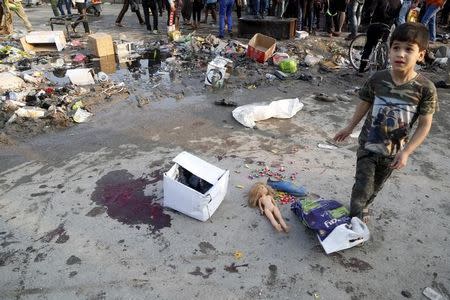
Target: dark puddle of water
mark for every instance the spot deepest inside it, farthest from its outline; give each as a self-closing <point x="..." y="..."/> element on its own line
<point x="146" y="66"/>
<point x="124" y="199"/>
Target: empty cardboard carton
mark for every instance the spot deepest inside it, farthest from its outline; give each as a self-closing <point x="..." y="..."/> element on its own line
<point x="41" y="41"/>
<point x="218" y="70"/>
<point x="106" y="64"/>
<point x="187" y="200"/>
<point x="261" y="47"/>
<point x="100" y="44"/>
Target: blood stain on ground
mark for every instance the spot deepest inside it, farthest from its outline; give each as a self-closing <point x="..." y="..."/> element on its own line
<point x="125" y="201"/>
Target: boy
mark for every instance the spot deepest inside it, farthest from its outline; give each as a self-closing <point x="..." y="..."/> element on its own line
<point x="393" y="100"/>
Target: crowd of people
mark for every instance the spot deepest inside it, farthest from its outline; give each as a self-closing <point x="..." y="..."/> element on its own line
<point x="309" y="13"/>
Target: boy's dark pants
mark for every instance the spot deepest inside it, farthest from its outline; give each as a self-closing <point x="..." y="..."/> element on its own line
<point x="372" y="170"/>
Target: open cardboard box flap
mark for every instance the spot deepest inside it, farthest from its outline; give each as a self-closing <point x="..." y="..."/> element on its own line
<point x="40" y="41"/>
<point x="199" y="167"/>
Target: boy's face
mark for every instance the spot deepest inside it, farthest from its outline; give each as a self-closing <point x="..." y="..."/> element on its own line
<point x="404" y="56"/>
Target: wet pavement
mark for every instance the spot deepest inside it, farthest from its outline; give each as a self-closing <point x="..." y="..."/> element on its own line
<point x="81" y="214"/>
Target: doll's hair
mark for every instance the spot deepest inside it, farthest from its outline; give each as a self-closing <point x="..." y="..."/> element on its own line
<point x="257" y="191"/>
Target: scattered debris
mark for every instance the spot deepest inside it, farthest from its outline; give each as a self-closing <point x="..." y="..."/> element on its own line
<point x="324" y="97"/>
<point x="432" y="294"/>
<point x="225" y="102"/>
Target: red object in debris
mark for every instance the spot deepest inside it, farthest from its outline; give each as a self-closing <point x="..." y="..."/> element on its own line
<point x="76" y="43"/>
<point x="79" y="58"/>
<point x="49" y="91"/>
<point x="261" y="47"/>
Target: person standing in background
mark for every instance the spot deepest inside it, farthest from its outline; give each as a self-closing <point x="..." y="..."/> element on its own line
<point x="429" y="18"/>
<point x="197" y="6"/>
<point x="354" y="17"/>
<point x="225" y="9"/>
<point x="210" y="7"/>
<point x="81" y="7"/>
<point x="238" y="8"/>
<point x="146" y="5"/>
<point x="54" y="6"/>
<point x="134" y="8"/>
<point x="68" y="4"/>
<point x="17" y="7"/>
<point x="186" y="12"/>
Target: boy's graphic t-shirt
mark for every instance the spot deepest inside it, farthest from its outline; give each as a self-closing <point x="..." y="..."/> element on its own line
<point x="387" y="125"/>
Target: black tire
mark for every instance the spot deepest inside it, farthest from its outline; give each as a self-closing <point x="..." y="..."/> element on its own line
<point x="356" y="49"/>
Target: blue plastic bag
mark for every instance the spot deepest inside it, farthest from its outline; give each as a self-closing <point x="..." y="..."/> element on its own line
<point x="321" y="215"/>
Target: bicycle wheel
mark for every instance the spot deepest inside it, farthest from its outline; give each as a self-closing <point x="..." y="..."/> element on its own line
<point x="382" y="56"/>
<point x="356" y="49"/>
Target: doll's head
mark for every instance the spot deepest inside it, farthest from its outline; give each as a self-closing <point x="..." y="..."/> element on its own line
<point x="258" y="190"/>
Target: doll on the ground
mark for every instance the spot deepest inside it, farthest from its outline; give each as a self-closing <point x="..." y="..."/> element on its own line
<point x="261" y="195"/>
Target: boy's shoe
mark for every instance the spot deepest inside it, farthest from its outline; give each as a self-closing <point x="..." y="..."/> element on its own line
<point x="288" y="187"/>
<point x="119" y="24"/>
<point x="155" y="31"/>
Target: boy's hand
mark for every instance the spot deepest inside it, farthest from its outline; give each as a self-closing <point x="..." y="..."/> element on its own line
<point x="400" y="160"/>
<point x="342" y="134"/>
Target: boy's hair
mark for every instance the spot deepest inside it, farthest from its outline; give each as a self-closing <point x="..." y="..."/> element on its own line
<point x="410" y="32"/>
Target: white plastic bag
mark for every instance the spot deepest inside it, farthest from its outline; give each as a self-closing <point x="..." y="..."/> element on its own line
<point x="346" y="236"/>
<point x="247" y="115"/>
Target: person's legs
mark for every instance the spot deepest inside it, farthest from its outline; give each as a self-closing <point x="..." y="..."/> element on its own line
<point x="213" y="12"/>
<point x="145" y="8"/>
<point x="404" y="11"/>
<point x="68" y="4"/>
<point x="54" y="5"/>
<point x="358" y="15"/>
<point x="60" y="7"/>
<point x="363" y="187"/>
<point x="262" y="7"/>
<point x="152" y="4"/>
<point x="374" y="33"/>
<point x="256" y="7"/>
<point x="382" y="172"/>
<point x="341" y="20"/>
<point x="317" y="13"/>
<point x="229" y="10"/>
<point x="309" y="14"/>
<point x="139" y="16"/>
<point x="352" y="20"/>
<point x="83" y="16"/>
<point x="429" y="20"/>
<point x="222" y="10"/>
<point x="20" y="12"/>
<point x="238" y="9"/>
<point x="126" y="4"/>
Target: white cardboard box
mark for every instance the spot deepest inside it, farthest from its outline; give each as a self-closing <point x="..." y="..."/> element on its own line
<point x="218" y="71"/>
<point x="41" y="41"/>
<point x="189" y="201"/>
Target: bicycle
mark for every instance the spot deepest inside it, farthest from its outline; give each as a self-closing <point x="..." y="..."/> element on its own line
<point x="379" y="57"/>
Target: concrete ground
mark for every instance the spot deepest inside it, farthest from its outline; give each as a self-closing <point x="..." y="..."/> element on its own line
<point x="80" y="213"/>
